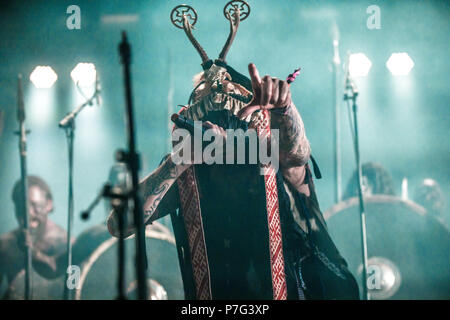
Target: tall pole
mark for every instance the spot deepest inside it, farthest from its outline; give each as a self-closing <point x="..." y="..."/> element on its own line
<point x="133" y="165"/>
<point x="336" y="125"/>
<point x="70" y="134"/>
<point x="351" y="88"/>
<point x="170" y="110"/>
<point x="24" y="189"/>
<point x="361" y="205"/>
<point x="68" y="124"/>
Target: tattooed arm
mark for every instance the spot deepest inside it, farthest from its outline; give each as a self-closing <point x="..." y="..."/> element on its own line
<point x="159" y="194"/>
<point x="294" y="146"/>
<point x="274" y="94"/>
<point x="156" y="186"/>
<point x="160" y="198"/>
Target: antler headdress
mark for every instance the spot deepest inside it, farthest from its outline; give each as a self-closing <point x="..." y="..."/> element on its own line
<point x="185" y="17"/>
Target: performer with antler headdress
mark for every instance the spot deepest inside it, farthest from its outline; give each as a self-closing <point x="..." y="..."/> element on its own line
<point x="242" y="234"/>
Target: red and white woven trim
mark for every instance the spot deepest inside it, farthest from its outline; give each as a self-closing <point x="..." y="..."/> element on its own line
<point x="273" y="216"/>
<point x="192" y="215"/>
<point x="190" y="204"/>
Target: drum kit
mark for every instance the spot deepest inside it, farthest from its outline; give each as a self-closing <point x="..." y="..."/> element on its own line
<point x="98" y="272"/>
<point x="408" y="250"/>
<point x="408" y="256"/>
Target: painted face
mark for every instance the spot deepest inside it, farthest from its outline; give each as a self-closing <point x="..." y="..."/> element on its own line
<point x="216" y="75"/>
<point x="215" y="79"/>
<point x="38" y="208"/>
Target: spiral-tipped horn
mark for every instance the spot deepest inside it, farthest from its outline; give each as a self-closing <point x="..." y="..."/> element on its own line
<point x="185" y="17"/>
<point x="235" y="11"/>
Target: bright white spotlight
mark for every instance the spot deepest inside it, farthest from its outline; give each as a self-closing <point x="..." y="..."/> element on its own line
<point x="359" y="65"/>
<point x="400" y="64"/>
<point x="84" y="74"/>
<point x="43" y="77"/>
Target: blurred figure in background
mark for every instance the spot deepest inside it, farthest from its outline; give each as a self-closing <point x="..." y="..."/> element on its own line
<point x="375" y="180"/>
<point x="45" y="236"/>
<point x="430" y="196"/>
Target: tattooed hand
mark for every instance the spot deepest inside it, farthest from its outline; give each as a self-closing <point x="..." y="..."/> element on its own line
<point x="268" y="93"/>
<point x="273" y="94"/>
<point x="294" y="146"/>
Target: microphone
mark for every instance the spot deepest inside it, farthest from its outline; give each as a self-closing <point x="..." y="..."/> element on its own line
<point x="98" y="90"/>
<point x="69" y="118"/>
<point x="185" y="123"/>
<point x="349" y="83"/>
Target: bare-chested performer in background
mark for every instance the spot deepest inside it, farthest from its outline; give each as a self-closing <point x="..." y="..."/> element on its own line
<point x="46" y="237"/>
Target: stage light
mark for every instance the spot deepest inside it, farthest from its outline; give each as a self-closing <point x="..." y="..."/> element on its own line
<point x="400" y="64"/>
<point x="43" y="77"/>
<point x="359" y="65"/>
<point x="84" y="74"/>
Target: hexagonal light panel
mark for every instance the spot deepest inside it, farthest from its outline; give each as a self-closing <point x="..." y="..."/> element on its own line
<point x="400" y="64"/>
<point x="359" y="65"/>
<point x="43" y="77"/>
<point x="84" y="74"/>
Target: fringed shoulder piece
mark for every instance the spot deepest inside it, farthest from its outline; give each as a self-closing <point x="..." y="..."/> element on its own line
<point x="217" y="101"/>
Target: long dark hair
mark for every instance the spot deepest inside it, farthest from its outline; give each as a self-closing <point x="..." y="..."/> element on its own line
<point x="378" y="177"/>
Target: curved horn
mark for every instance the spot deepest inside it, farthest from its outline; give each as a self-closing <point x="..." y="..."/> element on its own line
<point x="180" y="16"/>
<point x="188" y="30"/>
<point x="233" y="11"/>
<point x="234" y="25"/>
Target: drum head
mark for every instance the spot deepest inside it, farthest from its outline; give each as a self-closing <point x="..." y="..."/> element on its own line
<point x="408" y="251"/>
<point x="99" y="272"/>
<point x="43" y="289"/>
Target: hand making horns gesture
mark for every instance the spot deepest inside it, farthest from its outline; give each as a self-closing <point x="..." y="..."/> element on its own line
<point x="268" y="93"/>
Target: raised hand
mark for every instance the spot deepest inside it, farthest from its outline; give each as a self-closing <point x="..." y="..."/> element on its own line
<point x="268" y="93"/>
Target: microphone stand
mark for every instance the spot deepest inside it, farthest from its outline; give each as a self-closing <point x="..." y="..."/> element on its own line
<point x="131" y="158"/>
<point x="118" y="196"/>
<point x="68" y="124"/>
<point x="120" y="206"/>
<point x="336" y="125"/>
<point x="170" y="104"/>
<point x="24" y="185"/>
<point x="351" y="95"/>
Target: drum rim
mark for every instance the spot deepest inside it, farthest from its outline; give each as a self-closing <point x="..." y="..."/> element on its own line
<point x="379" y="198"/>
<point x="162" y="234"/>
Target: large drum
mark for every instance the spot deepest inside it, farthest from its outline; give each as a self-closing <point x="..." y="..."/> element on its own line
<point x="408" y="251"/>
<point x="95" y="253"/>
<point x="43" y="289"/>
<point x="99" y="271"/>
